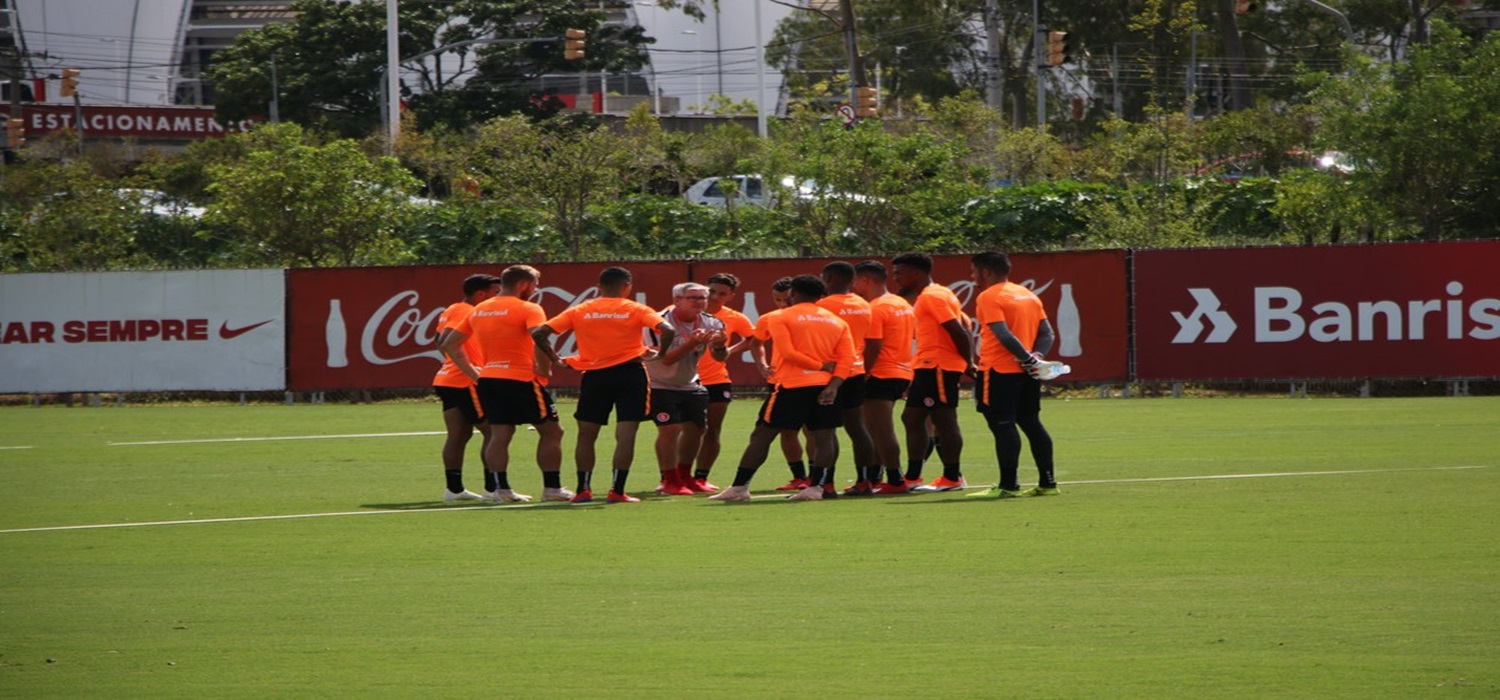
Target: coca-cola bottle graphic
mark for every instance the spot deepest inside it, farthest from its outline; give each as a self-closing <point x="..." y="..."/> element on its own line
<point x="1069" y="326"/>
<point x="336" y="335"/>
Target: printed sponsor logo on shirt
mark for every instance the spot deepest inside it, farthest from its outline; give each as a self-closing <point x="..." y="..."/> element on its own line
<point x="810" y="317"/>
<point x="486" y="313"/>
<point x="598" y="315"/>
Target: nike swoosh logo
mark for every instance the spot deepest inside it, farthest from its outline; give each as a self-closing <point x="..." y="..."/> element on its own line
<point x="228" y="333"/>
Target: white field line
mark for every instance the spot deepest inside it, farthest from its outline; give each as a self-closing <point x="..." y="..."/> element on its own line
<point x="517" y="506"/>
<point x="272" y="439"/>
<point x="19" y="447"/>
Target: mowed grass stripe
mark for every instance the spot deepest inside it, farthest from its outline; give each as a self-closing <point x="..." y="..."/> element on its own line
<point x="274" y="438"/>
<point x="768" y="496"/>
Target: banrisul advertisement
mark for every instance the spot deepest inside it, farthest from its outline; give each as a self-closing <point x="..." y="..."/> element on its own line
<point x="1379" y="311"/>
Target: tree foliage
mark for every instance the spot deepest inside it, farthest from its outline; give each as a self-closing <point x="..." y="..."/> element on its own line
<point x="292" y="201"/>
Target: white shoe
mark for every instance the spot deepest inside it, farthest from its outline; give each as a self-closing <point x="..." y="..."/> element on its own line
<point x="505" y="496"/>
<point x="464" y="495"/>
<point x="733" y="493"/>
<point x="557" y="495"/>
<point x="811" y="493"/>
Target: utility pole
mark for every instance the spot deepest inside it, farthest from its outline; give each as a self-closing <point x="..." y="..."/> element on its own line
<point x="1038" y="41"/>
<point x="851" y="45"/>
<point x="996" y="91"/>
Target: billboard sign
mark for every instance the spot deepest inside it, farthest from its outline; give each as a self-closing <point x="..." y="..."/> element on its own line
<point x="219" y="330"/>
<point x="1378" y="311"/>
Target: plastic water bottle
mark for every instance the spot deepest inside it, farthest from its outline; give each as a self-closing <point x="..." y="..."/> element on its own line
<point x="1051" y="370"/>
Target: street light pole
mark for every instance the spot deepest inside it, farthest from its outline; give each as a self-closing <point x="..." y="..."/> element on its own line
<point x="760" y="76"/>
<point x="392" y="78"/>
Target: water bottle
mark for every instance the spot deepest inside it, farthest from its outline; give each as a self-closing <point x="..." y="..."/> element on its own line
<point x="1051" y="370"/>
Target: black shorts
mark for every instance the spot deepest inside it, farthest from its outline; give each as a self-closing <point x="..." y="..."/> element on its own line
<point x="465" y="400"/>
<point x="514" y="402"/>
<point x="933" y="388"/>
<point x="851" y="393"/>
<point x="670" y="407"/>
<point x="623" y="389"/>
<point x="885" y="389"/>
<point x="1002" y="397"/>
<point x="794" y="409"/>
<point x="720" y="393"/>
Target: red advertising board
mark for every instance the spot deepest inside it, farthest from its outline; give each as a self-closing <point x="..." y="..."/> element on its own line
<point x="375" y="327"/>
<point x="158" y="123"/>
<point x="368" y="328"/>
<point x="1377" y="311"/>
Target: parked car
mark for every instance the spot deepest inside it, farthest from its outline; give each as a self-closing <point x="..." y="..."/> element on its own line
<point x="160" y="203"/>
<point x="751" y="189"/>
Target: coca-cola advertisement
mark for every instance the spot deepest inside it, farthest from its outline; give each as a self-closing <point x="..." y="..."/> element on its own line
<point x="376" y="328"/>
<point x="1376" y="311"/>
<point x="369" y="328"/>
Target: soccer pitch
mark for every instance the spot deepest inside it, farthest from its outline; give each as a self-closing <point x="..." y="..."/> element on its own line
<point x="1256" y="547"/>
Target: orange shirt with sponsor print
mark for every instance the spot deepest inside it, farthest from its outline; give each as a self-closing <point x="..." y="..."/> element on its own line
<point x="806" y="337"/>
<point x="738" y="327"/>
<point x="449" y="375"/>
<point x="763" y="334"/>
<point x="894" y="324"/>
<point x="502" y="328"/>
<point x="606" y="331"/>
<point x="1021" y="311"/>
<point x="856" y="312"/>
<point x="935" y="306"/>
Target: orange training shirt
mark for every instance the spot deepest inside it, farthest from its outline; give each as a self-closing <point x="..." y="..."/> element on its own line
<point x="606" y="330"/>
<point x="894" y="323"/>
<point x="1022" y="312"/>
<point x="738" y="327"/>
<point x="935" y="306"/>
<point x="502" y="327"/>
<point x="805" y="337"/>
<point x="448" y="374"/>
<point x="856" y="312"/>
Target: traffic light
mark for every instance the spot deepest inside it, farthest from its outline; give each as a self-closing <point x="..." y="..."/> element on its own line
<point x="1244" y="7"/>
<point x="1058" y="45"/>
<point x="15" y="133"/>
<point x="575" y="44"/>
<point x="69" y="82"/>
<point x="866" y="102"/>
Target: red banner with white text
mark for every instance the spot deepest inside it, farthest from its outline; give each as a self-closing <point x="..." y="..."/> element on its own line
<point x="1378" y="311"/>
<point x="371" y="328"/>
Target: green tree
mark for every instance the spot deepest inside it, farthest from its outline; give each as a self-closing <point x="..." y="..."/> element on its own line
<point x="1425" y="133"/>
<point x="329" y="61"/>
<point x="62" y="217"/>
<point x="557" y="168"/>
<point x="289" y="201"/>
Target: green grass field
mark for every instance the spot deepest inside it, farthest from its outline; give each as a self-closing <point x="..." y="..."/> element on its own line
<point x="1369" y="568"/>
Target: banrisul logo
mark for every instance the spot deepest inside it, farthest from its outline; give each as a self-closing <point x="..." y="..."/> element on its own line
<point x="1191" y="326"/>
<point x="1283" y="315"/>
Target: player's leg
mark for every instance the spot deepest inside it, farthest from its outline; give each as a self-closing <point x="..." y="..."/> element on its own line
<point x="458" y="428"/>
<point x="1029" y="420"/>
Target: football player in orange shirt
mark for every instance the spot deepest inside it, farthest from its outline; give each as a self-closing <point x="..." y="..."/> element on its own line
<point x="511" y="380"/>
<point x="607" y="330"/>
<point x="791" y="445"/>
<point x="461" y="410"/>
<point x="855" y="311"/>
<point x="944" y="355"/>
<point x="1014" y="335"/>
<point x="888" y="358"/>
<point x="722" y="288"/>
<point x="813" y="353"/>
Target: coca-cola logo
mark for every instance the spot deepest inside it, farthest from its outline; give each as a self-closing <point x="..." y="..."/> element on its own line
<point x="397" y="322"/>
<point x="401" y="329"/>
